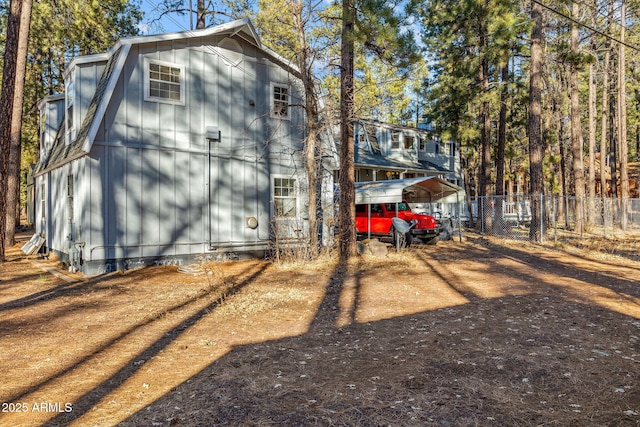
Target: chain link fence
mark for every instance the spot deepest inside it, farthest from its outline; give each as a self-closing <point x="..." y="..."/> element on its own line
<point x="516" y="217"/>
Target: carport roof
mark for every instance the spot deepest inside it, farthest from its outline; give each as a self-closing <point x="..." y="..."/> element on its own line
<point x="414" y="190"/>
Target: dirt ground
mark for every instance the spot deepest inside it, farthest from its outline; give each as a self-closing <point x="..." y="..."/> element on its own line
<point x="472" y="333"/>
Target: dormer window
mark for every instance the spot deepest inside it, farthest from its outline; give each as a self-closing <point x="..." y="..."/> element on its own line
<point x="69" y="101"/>
<point x="409" y="142"/>
<point x="395" y="140"/>
<point x="41" y="130"/>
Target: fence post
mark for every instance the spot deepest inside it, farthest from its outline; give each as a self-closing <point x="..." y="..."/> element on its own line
<point x="604" y="217"/>
<point x="555" y="219"/>
<point x="542" y="210"/>
<point x="481" y="215"/>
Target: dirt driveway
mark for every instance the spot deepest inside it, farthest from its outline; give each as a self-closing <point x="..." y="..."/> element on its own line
<point x="461" y="334"/>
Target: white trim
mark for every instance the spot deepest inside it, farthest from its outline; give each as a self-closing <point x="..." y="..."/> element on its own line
<point x="69" y="103"/>
<point x="147" y="82"/>
<point x="296" y="196"/>
<point x="106" y="98"/>
<point x="272" y="107"/>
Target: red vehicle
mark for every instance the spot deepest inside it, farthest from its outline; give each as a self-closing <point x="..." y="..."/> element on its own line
<point x="423" y="227"/>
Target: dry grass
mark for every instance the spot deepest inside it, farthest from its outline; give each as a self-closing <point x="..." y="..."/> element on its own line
<point x="478" y="333"/>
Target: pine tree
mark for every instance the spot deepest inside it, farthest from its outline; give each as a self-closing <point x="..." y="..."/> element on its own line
<point x="15" y="149"/>
<point x="535" y="121"/>
<point x="9" y="72"/>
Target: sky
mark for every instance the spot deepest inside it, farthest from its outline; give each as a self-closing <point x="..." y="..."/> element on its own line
<point x="153" y="24"/>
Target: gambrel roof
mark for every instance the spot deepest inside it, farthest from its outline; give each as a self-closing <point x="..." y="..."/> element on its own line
<point x="63" y="152"/>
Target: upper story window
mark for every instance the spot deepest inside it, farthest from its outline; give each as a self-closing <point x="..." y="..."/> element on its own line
<point x="280" y="100"/>
<point x="69" y="98"/>
<point x="442" y="148"/>
<point x="409" y="142"/>
<point x="395" y="140"/>
<point x="422" y="143"/>
<point x="372" y="134"/>
<point x="41" y="131"/>
<point x="164" y="82"/>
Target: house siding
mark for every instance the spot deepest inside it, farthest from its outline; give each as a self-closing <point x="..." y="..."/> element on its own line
<point x="156" y="188"/>
<point x="149" y="187"/>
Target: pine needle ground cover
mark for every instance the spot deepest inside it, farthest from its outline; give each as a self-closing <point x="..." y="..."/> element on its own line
<point x="473" y="333"/>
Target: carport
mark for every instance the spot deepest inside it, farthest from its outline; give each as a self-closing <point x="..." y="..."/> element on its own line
<point x="430" y="189"/>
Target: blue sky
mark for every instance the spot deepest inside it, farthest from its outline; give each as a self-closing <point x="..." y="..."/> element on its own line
<point x="151" y="24"/>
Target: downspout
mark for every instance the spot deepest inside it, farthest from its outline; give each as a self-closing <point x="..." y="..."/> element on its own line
<point x="459" y="206"/>
<point x="212" y="133"/>
<point x="208" y="185"/>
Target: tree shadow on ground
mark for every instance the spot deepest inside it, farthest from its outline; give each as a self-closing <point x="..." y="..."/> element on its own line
<point x="528" y="358"/>
<point x="90" y="399"/>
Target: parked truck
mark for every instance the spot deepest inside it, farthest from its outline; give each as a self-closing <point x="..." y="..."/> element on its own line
<point x="376" y="219"/>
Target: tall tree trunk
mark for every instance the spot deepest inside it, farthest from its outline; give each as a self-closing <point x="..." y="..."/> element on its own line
<point x="6" y="106"/>
<point x="575" y="131"/>
<point x="592" y="143"/>
<point x="535" y="121"/>
<point x="498" y="221"/>
<point x="502" y="130"/>
<point x="563" y="174"/>
<point x="604" y="153"/>
<point x="622" y="118"/>
<point x="484" y="180"/>
<point x="347" y="149"/>
<point x="563" y="209"/>
<point x="485" y="119"/>
<point x="313" y="124"/>
<point x="15" y="150"/>
<point x="558" y="116"/>
<point x="613" y="142"/>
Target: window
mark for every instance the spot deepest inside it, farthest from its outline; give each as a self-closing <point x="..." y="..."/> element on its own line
<point x="395" y="140"/>
<point x="280" y="98"/>
<point x="402" y="206"/>
<point x="373" y="139"/>
<point x="422" y="144"/>
<point x="43" y="201"/>
<point x="70" y="197"/>
<point x="69" y="99"/>
<point x="43" y="127"/>
<point x="164" y="82"/>
<point x="284" y="198"/>
<point x="409" y="142"/>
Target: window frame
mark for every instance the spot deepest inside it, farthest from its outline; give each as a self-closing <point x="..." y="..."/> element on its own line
<point x="70" y="196"/>
<point x="395" y="139"/>
<point x="147" y="82"/>
<point x="275" y="197"/>
<point x="43" y="200"/>
<point x="69" y="101"/>
<point x="272" y="101"/>
<point x="409" y="142"/>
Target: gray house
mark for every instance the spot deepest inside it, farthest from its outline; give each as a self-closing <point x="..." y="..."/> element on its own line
<point x="169" y="148"/>
<point x="386" y="151"/>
